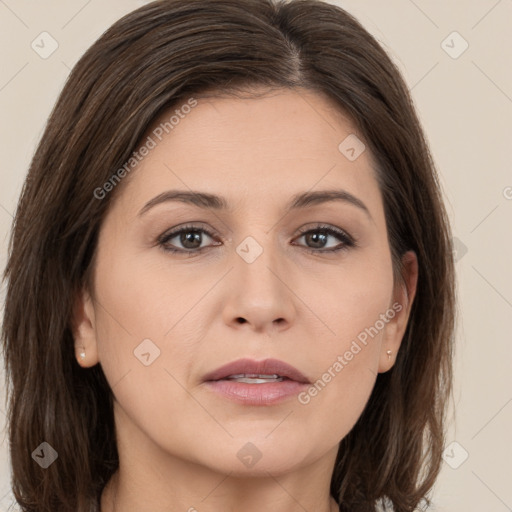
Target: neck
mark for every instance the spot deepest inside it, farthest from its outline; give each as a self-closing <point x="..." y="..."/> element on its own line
<point x="213" y="480"/>
<point x="116" y="497"/>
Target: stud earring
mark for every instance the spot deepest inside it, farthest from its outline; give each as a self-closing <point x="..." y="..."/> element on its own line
<point x="388" y="352"/>
<point x="82" y="354"/>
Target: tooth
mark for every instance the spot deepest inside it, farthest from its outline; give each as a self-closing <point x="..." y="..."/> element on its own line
<point x="251" y="380"/>
<point x="253" y="376"/>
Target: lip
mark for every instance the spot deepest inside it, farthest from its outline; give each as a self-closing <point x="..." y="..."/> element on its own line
<point x="268" y="393"/>
<point x="264" y="367"/>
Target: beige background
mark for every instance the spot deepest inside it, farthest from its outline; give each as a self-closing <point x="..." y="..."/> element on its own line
<point x="465" y="104"/>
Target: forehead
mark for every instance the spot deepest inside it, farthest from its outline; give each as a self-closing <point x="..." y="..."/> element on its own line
<point x="283" y="142"/>
<point x="285" y="115"/>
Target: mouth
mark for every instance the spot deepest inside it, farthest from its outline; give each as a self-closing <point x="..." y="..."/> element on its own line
<point x="252" y="378"/>
<point x="250" y="382"/>
<point x="250" y="371"/>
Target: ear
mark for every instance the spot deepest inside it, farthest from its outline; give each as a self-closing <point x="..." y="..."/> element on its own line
<point x="403" y="297"/>
<point x="84" y="330"/>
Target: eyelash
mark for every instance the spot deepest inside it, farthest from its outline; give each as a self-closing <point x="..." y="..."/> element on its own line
<point x="347" y="241"/>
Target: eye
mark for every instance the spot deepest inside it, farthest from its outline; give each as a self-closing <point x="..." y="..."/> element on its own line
<point x="319" y="235"/>
<point x="190" y="238"/>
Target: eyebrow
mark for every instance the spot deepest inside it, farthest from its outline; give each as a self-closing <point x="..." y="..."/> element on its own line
<point x="212" y="201"/>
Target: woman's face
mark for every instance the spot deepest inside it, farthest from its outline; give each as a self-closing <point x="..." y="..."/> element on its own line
<point x="254" y="278"/>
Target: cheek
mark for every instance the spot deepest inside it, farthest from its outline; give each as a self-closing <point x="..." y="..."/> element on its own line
<point x="352" y="298"/>
<point x="357" y="306"/>
<point x="347" y="369"/>
<point x="145" y="299"/>
<point x="141" y="349"/>
<point x="339" y="397"/>
<point x="135" y="310"/>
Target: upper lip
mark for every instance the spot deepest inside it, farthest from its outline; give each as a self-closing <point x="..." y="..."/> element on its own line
<point x="264" y="367"/>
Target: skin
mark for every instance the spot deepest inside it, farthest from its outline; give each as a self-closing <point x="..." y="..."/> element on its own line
<point x="177" y="440"/>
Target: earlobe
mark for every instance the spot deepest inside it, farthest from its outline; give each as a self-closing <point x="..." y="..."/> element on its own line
<point x="403" y="299"/>
<point x="84" y="330"/>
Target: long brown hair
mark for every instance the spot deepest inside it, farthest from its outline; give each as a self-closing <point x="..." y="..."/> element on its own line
<point x="152" y="59"/>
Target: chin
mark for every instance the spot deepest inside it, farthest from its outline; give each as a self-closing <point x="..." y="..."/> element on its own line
<point x="252" y="458"/>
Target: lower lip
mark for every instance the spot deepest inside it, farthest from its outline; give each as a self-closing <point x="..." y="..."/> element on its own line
<point x="257" y="394"/>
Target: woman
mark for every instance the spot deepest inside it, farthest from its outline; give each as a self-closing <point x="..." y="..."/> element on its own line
<point x="230" y="279"/>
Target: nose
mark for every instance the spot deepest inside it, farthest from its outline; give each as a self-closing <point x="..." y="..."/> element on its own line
<point x="259" y="295"/>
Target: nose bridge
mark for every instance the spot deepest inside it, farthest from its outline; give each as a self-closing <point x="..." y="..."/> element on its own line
<point x="258" y="291"/>
<point x="257" y="262"/>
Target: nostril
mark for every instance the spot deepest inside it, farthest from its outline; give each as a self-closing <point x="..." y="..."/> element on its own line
<point x="241" y="320"/>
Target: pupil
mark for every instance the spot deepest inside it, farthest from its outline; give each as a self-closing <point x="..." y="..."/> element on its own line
<point x="190" y="236"/>
<point x="315" y="237"/>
